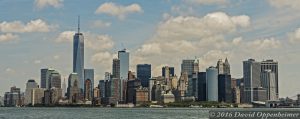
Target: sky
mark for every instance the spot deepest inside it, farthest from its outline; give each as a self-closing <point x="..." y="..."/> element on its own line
<point x="36" y="34"/>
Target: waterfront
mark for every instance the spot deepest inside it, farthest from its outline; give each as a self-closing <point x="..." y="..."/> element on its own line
<point x="119" y="113"/>
<point x="102" y="113"/>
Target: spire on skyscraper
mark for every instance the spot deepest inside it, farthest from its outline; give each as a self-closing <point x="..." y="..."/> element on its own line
<point x="78" y="24"/>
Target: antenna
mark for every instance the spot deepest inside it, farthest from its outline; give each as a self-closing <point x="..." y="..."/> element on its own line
<point x="78" y="24"/>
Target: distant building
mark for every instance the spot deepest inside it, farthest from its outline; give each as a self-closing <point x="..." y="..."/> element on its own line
<point x="52" y="96"/>
<point x="273" y="66"/>
<point x="144" y="73"/>
<point x="123" y="56"/>
<point x="212" y="83"/>
<point x="45" y="77"/>
<point x="74" y="94"/>
<point x="116" y="68"/>
<point x="96" y="98"/>
<point x="269" y="83"/>
<point x="101" y="87"/>
<point x="202" y="86"/>
<point x="141" y="95"/>
<point x="88" y="83"/>
<point x="168" y="71"/>
<point x="224" y="88"/>
<point x="78" y="57"/>
<point x="259" y="94"/>
<point x="223" y="67"/>
<point x="37" y="96"/>
<point x="132" y="85"/>
<point x="29" y="86"/>
<point x="168" y="98"/>
<point x="190" y="66"/>
<point x="55" y="80"/>
<point x="251" y="73"/>
<point x="236" y="94"/>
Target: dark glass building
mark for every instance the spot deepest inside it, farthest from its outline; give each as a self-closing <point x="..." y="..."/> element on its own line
<point x="144" y="73"/>
<point x="202" y="86"/>
<point x="171" y="71"/>
<point x="224" y="88"/>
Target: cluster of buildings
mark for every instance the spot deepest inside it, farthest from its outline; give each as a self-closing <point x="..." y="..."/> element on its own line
<point x="122" y="86"/>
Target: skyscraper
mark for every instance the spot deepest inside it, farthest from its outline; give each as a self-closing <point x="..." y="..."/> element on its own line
<point x="251" y="72"/>
<point x="123" y="56"/>
<point x="88" y="75"/>
<point x="268" y="82"/>
<point x="224" y="88"/>
<point x="212" y="83"/>
<point x="29" y="86"/>
<point x="144" y="73"/>
<point x="78" y="56"/>
<point x="170" y="69"/>
<point x="64" y="86"/>
<point x="116" y="68"/>
<point x="190" y="66"/>
<point x="45" y="77"/>
<point x="202" y="93"/>
<point x="55" y="80"/>
<point x="73" y="88"/>
<point x="223" y="67"/>
<point x="273" y="66"/>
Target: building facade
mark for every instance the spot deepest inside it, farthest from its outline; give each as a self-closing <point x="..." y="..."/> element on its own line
<point x="212" y="83"/>
<point x="144" y="73"/>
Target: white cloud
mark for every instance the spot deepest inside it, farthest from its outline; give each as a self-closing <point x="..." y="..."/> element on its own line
<point x="206" y="2"/>
<point x="285" y="3"/>
<point x="8" y="37"/>
<point x="9" y="70"/>
<point x="120" y="11"/>
<point x="184" y="37"/>
<point x="100" y="24"/>
<point x="66" y="36"/>
<point x="294" y="36"/>
<point x="37" y="61"/>
<point x="37" y="25"/>
<point x="45" y="3"/>
<point x="56" y="57"/>
<point x="103" y="60"/>
<point x="91" y="41"/>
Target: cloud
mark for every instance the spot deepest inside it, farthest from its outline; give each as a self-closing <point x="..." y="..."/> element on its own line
<point x="40" y="4"/>
<point x="285" y="3"/>
<point x="37" y="25"/>
<point x="100" y="24"/>
<point x="294" y="36"/>
<point x="103" y="60"/>
<point x="9" y="70"/>
<point x="56" y="57"/>
<point x="8" y="37"/>
<point x="37" y="61"/>
<point x="206" y="2"/>
<point x="184" y="37"/>
<point x="91" y="41"/>
<point x="119" y="11"/>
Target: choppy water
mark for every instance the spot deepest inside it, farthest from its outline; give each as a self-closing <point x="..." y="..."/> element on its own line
<point x="103" y="113"/>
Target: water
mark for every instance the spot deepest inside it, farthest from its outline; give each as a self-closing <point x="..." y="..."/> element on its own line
<point x="118" y="113"/>
<point x="103" y="113"/>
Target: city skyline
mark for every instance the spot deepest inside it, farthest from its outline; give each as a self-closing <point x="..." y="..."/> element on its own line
<point x="31" y="42"/>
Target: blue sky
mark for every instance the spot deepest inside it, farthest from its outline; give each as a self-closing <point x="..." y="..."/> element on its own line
<point x="36" y="34"/>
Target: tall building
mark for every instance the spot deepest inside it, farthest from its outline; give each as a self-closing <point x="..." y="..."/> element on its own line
<point x="74" y="94"/>
<point x="202" y="93"/>
<point x="212" y="83"/>
<point x="224" y="88"/>
<point x="251" y="73"/>
<point x="87" y="90"/>
<point x="78" y="57"/>
<point x="223" y="67"/>
<point x="37" y="96"/>
<point x="29" y="86"/>
<point x="45" y="77"/>
<point x="101" y="87"/>
<point x="116" y="69"/>
<point x="268" y="81"/>
<point x="190" y="66"/>
<point x="88" y="79"/>
<point x="144" y="73"/>
<point x="273" y="66"/>
<point x="55" y="80"/>
<point x="123" y="56"/>
<point x="64" y="88"/>
<point x="168" y="70"/>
